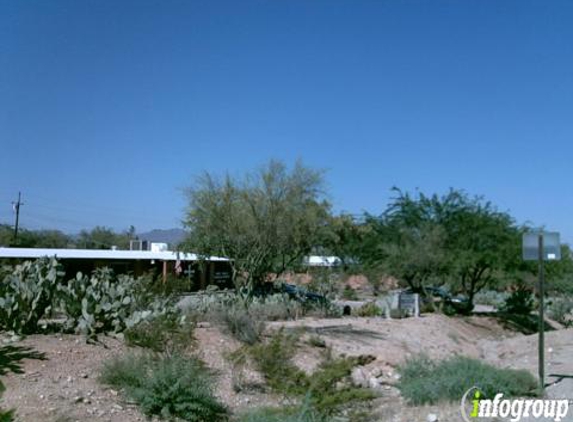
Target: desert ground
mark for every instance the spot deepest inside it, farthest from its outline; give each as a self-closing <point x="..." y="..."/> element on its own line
<point x="64" y="387"/>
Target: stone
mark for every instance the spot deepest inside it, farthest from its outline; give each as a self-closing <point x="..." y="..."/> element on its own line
<point x="359" y="378"/>
<point x="432" y="417"/>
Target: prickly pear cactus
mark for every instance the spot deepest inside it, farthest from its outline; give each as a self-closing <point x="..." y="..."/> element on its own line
<point x="27" y="292"/>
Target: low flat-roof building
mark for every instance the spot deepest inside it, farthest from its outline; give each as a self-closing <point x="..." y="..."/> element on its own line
<point x="199" y="271"/>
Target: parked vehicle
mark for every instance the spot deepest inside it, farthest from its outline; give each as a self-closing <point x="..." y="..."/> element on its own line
<point x="293" y="291"/>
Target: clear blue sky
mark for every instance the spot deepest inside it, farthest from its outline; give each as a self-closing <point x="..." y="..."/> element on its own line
<point x="109" y="108"/>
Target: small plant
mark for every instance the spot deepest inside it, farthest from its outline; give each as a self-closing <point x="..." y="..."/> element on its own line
<point x="274" y="360"/>
<point x="561" y="310"/>
<point x="170" y="387"/>
<point x="519" y="302"/>
<point x="424" y="381"/>
<point x="165" y="333"/>
<point x="349" y="293"/>
<point x="369" y="309"/>
<point x="238" y="322"/>
<point x="316" y="341"/>
<point x="303" y="413"/>
<point x="491" y="298"/>
<point x="327" y="389"/>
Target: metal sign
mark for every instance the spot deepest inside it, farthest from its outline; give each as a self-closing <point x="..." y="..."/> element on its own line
<point x="409" y="304"/>
<point x="549" y="243"/>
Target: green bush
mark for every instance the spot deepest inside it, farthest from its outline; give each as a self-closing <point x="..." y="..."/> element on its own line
<point x="491" y="298"/>
<point x="349" y="293"/>
<point x="369" y="309"/>
<point x="27" y="293"/>
<point x="560" y="310"/>
<point x="238" y="322"/>
<point x="519" y="302"/>
<point x="283" y="414"/>
<point x="426" y="381"/>
<point x="327" y="389"/>
<point x="169" y="387"/>
<point x="165" y="333"/>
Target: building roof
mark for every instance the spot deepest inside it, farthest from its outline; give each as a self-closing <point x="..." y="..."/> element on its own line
<point x="101" y="254"/>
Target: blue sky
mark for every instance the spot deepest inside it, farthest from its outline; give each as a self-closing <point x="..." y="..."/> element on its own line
<point x="109" y="108"/>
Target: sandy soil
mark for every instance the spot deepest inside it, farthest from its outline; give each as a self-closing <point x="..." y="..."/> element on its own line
<point x="64" y="387"/>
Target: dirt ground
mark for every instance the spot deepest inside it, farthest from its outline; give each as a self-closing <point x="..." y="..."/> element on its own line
<point x="64" y="387"/>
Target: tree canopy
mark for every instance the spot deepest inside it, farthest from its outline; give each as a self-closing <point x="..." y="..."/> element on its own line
<point x="265" y="221"/>
<point x="454" y="239"/>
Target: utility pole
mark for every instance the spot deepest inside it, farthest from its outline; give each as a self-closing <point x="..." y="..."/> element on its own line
<point x="16" y="206"/>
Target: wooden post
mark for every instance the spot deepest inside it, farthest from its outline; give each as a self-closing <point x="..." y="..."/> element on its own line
<point x="164" y="272"/>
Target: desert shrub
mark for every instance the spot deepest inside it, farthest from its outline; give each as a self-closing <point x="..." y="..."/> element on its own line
<point x="277" y="307"/>
<point x="27" y="294"/>
<point x="274" y="360"/>
<point x="238" y="322"/>
<point x="424" y="381"/>
<point x="171" y="387"/>
<point x="230" y="312"/>
<point x="348" y="293"/>
<point x="164" y="333"/>
<point x="303" y="413"/>
<point x="561" y="310"/>
<point x="369" y="309"/>
<point x="325" y="389"/>
<point x="491" y="298"/>
<point x="519" y="302"/>
<point x="316" y="341"/>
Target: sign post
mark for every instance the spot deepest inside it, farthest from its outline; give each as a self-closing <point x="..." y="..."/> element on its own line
<point x="541" y="246"/>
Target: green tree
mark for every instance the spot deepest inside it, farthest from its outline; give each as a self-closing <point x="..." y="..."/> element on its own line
<point x="482" y="242"/>
<point x="33" y="238"/>
<point x="104" y="238"/>
<point x="454" y="239"/>
<point x="344" y="237"/>
<point x="265" y="221"/>
<point x="412" y="253"/>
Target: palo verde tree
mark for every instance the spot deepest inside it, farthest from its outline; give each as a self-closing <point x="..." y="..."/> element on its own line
<point x="265" y="221"/>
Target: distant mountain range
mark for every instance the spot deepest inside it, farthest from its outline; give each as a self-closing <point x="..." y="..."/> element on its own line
<point x="171" y="236"/>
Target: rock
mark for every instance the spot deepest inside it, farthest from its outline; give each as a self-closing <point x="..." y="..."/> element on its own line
<point x="83" y="375"/>
<point x="373" y="383"/>
<point x="359" y="377"/>
<point x="432" y="417"/>
<point x="69" y="379"/>
<point x="113" y="392"/>
<point x="78" y="399"/>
